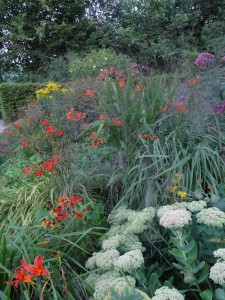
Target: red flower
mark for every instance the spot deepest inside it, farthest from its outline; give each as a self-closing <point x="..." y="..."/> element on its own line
<point x="49" y="165"/>
<point x="26" y="170"/>
<point x="21" y="276"/>
<point x="34" y="100"/>
<point x="75" y="199"/>
<point x="101" y="118"/>
<point x="134" y="65"/>
<point x="39" y="172"/>
<point x="90" y="93"/>
<point x="62" y="216"/>
<point x="117" y="122"/>
<point x="83" y="125"/>
<point x="154" y="138"/>
<point x="70" y="114"/>
<point x="36" y="269"/>
<point x="92" y="135"/>
<point x="133" y="74"/>
<point x="79" y="215"/>
<point x="79" y="116"/>
<point x="6" y="142"/>
<point x="16" y="125"/>
<point x="25" y="143"/>
<point x="180" y="107"/>
<point x="45" y="122"/>
<point x="9" y="133"/>
<point x="138" y="88"/>
<point x="62" y="200"/>
<point x="60" y="132"/>
<point x="50" y="129"/>
<point x="102" y="76"/>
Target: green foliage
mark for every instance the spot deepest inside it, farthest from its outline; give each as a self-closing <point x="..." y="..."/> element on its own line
<point x="14" y="96"/>
<point x="126" y="293"/>
<point x="96" y="61"/>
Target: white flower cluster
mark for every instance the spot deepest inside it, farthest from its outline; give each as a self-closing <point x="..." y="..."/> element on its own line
<point x="104" y="260"/>
<point x="121" y="251"/>
<point x="123" y="243"/>
<point x="194" y="206"/>
<point x="166" y="208"/>
<point x="108" y="280"/>
<point x="130" y="261"/>
<point x="175" y="219"/>
<point x="211" y="217"/>
<point x="165" y="293"/>
<point x="220" y="254"/>
<point x="217" y="273"/>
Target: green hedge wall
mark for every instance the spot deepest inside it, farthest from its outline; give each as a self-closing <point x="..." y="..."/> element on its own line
<point x="14" y="96"/>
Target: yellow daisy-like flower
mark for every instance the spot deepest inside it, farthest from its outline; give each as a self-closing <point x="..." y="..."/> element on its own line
<point x="181" y="194"/>
<point x="177" y="178"/>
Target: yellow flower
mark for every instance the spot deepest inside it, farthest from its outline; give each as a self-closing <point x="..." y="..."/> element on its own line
<point x="177" y="178"/>
<point x="173" y="189"/>
<point x="181" y="194"/>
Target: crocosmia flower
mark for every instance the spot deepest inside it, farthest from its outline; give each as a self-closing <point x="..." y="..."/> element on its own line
<point x="25" y="143"/>
<point x="117" y="122"/>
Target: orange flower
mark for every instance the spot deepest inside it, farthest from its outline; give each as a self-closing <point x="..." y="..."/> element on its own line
<point x="102" y="76"/>
<point x="133" y="74"/>
<point x="21" y="276"/>
<point x="143" y="136"/>
<point x="106" y="71"/>
<point x="79" y="116"/>
<point x="36" y="269"/>
<point x="79" y="215"/>
<point x="47" y="223"/>
<point x="43" y="244"/>
<point x="92" y="135"/>
<point x="90" y="93"/>
<point x="180" y="107"/>
<point x="62" y="200"/>
<point x="134" y="65"/>
<point x="101" y="118"/>
<point x="70" y="114"/>
<point x="154" y="138"/>
<point x="192" y="81"/>
<point x="26" y="170"/>
<point x="117" y="122"/>
<point x="25" y="143"/>
<point x="138" y="88"/>
<point x="49" y="130"/>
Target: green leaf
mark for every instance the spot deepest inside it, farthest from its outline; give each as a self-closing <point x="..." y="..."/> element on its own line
<point x="198" y="267"/>
<point x="126" y="293"/>
<point x="219" y="294"/>
<point x="204" y="274"/>
<point x="206" y="295"/>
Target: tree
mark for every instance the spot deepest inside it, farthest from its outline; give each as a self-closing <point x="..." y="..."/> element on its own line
<point x="36" y="31"/>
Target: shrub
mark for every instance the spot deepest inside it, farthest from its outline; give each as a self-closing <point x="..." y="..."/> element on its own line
<point x="96" y="61"/>
<point x="14" y="96"/>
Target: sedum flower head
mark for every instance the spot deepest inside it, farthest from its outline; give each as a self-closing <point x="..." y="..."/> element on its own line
<point x="109" y="280"/>
<point x="175" y="219"/>
<point x="164" y="209"/>
<point x="103" y="260"/>
<point x="211" y="217"/>
<point x="194" y="206"/>
<point x="92" y="279"/>
<point x="220" y="254"/>
<point x="123" y="243"/>
<point x="130" y="261"/>
<point x="165" y="293"/>
<point x="217" y="273"/>
<point x="120" y="215"/>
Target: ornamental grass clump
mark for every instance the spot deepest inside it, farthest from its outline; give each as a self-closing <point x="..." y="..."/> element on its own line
<point x="211" y="217"/>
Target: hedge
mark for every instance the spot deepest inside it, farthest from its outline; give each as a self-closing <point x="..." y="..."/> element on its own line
<point x="14" y="96"/>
